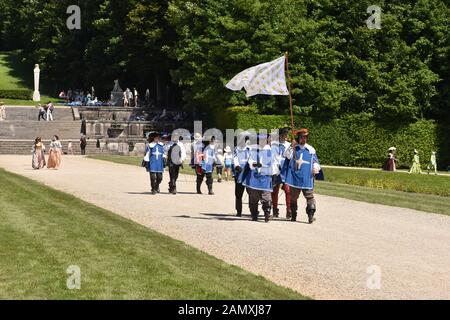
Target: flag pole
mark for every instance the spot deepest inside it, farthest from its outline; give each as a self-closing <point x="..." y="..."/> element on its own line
<point x="290" y="100"/>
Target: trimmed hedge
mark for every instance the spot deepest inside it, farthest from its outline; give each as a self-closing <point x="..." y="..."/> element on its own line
<point x="16" y="94"/>
<point x="356" y="140"/>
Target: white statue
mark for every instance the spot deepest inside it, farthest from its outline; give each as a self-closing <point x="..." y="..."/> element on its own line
<point x="36" y="94"/>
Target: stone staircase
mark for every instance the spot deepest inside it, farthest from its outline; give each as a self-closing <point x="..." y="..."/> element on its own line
<point x="31" y="113"/>
<point x="21" y="127"/>
<point x="26" y="130"/>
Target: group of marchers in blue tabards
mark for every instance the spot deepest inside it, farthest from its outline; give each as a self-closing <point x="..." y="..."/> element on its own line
<point x="260" y="167"/>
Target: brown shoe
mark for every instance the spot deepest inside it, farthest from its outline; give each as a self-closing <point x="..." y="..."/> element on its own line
<point x="288" y="215"/>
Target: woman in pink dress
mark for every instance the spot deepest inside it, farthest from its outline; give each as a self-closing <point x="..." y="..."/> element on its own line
<point x="54" y="156"/>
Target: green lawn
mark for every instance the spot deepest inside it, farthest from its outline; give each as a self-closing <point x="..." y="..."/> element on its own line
<point x="417" y="183"/>
<point x="9" y="78"/>
<point x="422" y="202"/>
<point x="15" y="75"/>
<point x="421" y="192"/>
<point x="44" y="231"/>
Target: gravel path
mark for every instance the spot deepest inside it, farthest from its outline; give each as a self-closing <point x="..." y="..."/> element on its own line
<point x="326" y="260"/>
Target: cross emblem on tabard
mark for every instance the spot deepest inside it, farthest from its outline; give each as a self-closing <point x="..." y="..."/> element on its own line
<point x="157" y="154"/>
<point x="300" y="161"/>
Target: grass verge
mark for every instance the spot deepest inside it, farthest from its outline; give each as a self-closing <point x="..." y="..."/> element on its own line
<point x="417" y="183"/>
<point x="422" y="202"/>
<point x="44" y="231"/>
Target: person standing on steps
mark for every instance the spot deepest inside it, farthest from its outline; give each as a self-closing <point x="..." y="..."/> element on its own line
<point x="83" y="143"/>
<point x="302" y="167"/>
<point x="42" y="112"/>
<point x="70" y="148"/>
<point x="175" y="158"/>
<point x="49" y="111"/>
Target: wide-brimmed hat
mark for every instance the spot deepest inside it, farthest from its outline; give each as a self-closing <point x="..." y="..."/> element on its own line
<point x="227" y="149"/>
<point x="283" y="131"/>
<point x="392" y="149"/>
<point x="301" y="132"/>
<point x="153" y="134"/>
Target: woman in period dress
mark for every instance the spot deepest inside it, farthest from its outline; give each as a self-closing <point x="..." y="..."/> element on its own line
<point x="38" y="158"/>
<point x="54" y="156"/>
<point x="390" y="165"/>
<point x="415" y="168"/>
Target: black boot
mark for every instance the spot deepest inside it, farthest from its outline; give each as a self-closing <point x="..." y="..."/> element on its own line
<point x="310" y="210"/>
<point x="199" y="191"/>
<point x="210" y="190"/>
<point x="255" y="216"/>
<point x="294" y="208"/>
<point x="267" y="216"/>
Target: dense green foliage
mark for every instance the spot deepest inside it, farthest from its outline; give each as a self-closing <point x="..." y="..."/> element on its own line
<point x="338" y="65"/>
<point x="353" y="140"/>
<point x="16" y="94"/>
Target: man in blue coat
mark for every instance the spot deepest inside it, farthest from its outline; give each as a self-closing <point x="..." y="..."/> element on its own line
<point x="155" y="150"/>
<point x="257" y="177"/>
<point x="302" y="167"/>
<point x="240" y="159"/>
<point x="279" y="147"/>
<point x="209" y="159"/>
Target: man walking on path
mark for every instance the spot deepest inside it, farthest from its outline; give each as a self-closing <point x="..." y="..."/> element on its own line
<point x="175" y="158"/>
<point x="279" y="148"/>
<point x="300" y="173"/>
<point x="257" y="177"/>
<point x="155" y="150"/>
<point x="207" y="166"/>
<point x="240" y="159"/>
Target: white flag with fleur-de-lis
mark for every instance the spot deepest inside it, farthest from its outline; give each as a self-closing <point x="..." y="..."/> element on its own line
<point x="266" y="78"/>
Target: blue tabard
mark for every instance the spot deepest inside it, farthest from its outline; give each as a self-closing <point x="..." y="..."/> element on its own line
<point x="259" y="178"/>
<point x="242" y="157"/>
<point x="301" y="177"/>
<point x="208" y="159"/>
<point x="279" y="149"/>
<point x="156" y="163"/>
